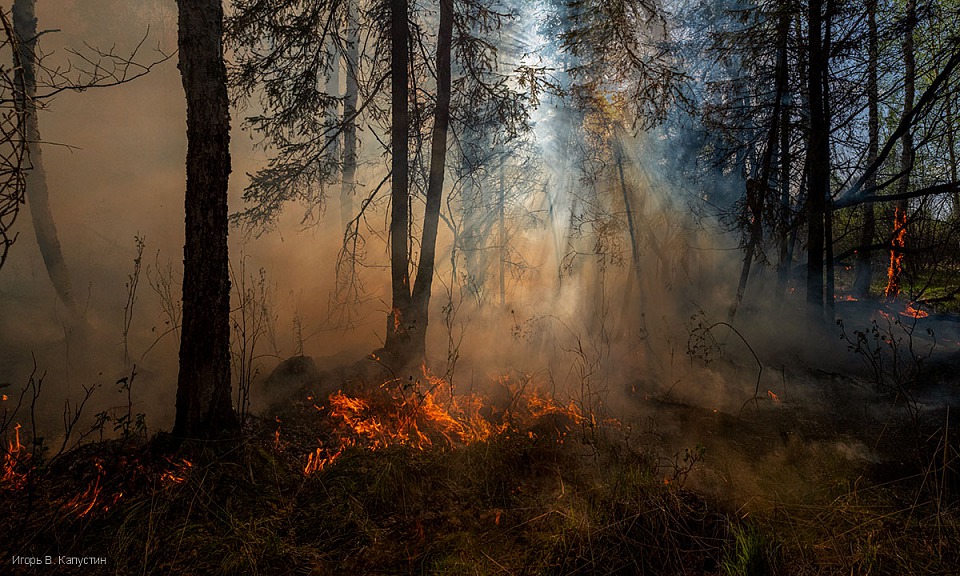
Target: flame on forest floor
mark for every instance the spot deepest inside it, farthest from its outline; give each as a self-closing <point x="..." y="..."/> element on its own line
<point x="84" y="503"/>
<point x="846" y="298"/>
<point x="896" y="252"/>
<point x="774" y="397"/>
<point x="178" y="473"/>
<point x="427" y="414"/>
<point x="14" y="461"/>
<point x="912" y="312"/>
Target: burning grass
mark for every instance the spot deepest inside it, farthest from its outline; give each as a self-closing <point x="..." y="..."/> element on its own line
<point x="411" y="478"/>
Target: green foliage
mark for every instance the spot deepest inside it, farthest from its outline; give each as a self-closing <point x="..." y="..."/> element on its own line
<point x="752" y="553"/>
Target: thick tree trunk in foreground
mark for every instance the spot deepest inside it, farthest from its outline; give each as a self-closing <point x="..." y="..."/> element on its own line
<point x="25" y="28"/>
<point x="204" y="407"/>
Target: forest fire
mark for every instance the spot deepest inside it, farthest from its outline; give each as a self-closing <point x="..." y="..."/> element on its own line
<point x="690" y="306"/>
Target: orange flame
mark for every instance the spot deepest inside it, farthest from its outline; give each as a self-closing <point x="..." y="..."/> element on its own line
<point x="178" y="474"/>
<point x="276" y="435"/>
<point x="319" y="458"/>
<point x="84" y="503"/>
<point x="774" y="397"/>
<point x="13" y="475"/>
<point x="896" y="252"/>
<point x="396" y="415"/>
<point x="912" y="312"/>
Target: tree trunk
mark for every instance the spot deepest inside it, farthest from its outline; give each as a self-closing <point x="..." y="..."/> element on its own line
<point x="757" y="191"/>
<point x="438" y="165"/>
<point x="37" y="196"/>
<point x="952" y="154"/>
<point x="397" y="335"/>
<point x="351" y="58"/>
<point x="634" y="242"/>
<point x="818" y="161"/>
<point x="407" y="326"/>
<point x="786" y="159"/>
<point x="472" y="235"/>
<point x="864" y="261"/>
<point x="830" y="280"/>
<point x="894" y="280"/>
<point x="204" y="407"/>
<point x="502" y="217"/>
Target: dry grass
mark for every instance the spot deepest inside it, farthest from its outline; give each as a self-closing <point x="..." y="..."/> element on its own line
<point x="519" y="502"/>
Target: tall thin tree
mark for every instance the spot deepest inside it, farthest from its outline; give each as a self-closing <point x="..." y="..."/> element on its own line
<point x="37" y="194"/>
<point x="407" y="324"/>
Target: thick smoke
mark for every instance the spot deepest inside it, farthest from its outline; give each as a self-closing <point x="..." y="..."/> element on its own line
<point x="589" y="309"/>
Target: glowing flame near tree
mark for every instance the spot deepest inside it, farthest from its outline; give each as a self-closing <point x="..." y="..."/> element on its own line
<point x="896" y="252"/>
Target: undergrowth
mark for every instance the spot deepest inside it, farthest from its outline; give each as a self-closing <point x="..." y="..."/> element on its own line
<point x="519" y="502"/>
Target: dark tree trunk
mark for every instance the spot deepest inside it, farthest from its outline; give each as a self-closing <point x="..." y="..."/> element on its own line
<point x="471" y="238"/>
<point x="906" y="154"/>
<point x="398" y="336"/>
<point x="818" y="161"/>
<point x="627" y="205"/>
<point x="37" y="196"/>
<point x="407" y="325"/>
<point x="864" y="261"/>
<point x="786" y="165"/>
<point x="502" y="234"/>
<point x="438" y="164"/>
<point x="757" y="191"/>
<point x="830" y="280"/>
<point x="351" y="58"/>
<point x="952" y="154"/>
<point x="203" y="388"/>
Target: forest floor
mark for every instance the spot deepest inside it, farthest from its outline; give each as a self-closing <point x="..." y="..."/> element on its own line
<point x="825" y="476"/>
